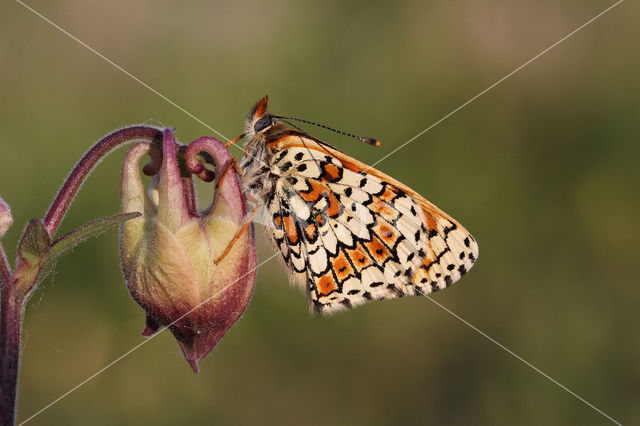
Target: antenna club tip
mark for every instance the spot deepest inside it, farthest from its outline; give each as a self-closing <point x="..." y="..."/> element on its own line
<point x="371" y="141"/>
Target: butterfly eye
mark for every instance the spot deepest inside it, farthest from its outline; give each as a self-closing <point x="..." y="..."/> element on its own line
<point x="262" y="124"/>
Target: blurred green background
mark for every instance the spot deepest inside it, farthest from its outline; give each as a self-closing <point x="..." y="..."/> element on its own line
<point x="543" y="170"/>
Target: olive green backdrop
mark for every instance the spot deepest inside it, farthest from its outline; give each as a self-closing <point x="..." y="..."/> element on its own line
<point x="543" y="170"/>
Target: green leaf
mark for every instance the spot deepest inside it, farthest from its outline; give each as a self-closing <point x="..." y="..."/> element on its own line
<point x="36" y="252"/>
<point x="35" y="243"/>
<point x="91" y="229"/>
<point x="33" y="251"/>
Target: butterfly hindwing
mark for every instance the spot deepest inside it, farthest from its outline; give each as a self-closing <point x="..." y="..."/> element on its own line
<point x="362" y="236"/>
<point x="347" y="232"/>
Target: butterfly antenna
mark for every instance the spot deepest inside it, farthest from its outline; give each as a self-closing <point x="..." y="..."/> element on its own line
<point x="370" y="141"/>
<point x="290" y="124"/>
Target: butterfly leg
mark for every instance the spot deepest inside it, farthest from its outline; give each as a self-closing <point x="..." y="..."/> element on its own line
<point x="238" y="234"/>
<point x="253" y="199"/>
<point x="234" y="140"/>
<point x="233" y="164"/>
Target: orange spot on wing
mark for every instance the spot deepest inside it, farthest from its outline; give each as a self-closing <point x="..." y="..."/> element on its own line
<point x="290" y="229"/>
<point x="317" y="190"/>
<point x="383" y="209"/>
<point x="359" y="258"/>
<point x="312" y="231"/>
<point x="431" y="222"/>
<point x="326" y="285"/>
<point x="330" y="173"/>
<point x="388" y="195"/>
<point x="428" y="259"/>
<point x="342" y="267"/>
<point x="378" y="250"/>
<point x="386" y="233"/>
<point x="334" y="208"/>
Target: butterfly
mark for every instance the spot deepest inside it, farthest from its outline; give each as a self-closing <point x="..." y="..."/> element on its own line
<point x="346" y="232"/>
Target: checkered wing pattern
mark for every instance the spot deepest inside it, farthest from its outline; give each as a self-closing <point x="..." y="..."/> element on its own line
<point x="351" y="234"/>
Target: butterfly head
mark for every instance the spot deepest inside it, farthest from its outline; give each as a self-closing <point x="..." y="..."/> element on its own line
<point x="259" y="120"/>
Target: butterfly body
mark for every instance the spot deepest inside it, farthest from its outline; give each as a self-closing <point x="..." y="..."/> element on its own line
<point x="346" y="232"/>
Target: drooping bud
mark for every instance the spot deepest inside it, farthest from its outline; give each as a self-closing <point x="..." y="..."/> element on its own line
<point x="176" y="260"/>
<point x="5" y="218"/>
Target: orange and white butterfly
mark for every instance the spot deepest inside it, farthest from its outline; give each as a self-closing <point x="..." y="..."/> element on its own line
<point x="347" y="232"/>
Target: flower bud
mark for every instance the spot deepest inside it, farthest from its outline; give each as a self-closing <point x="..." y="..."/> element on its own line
<point x="174" y="258"/>
<point x="5" y="218"/>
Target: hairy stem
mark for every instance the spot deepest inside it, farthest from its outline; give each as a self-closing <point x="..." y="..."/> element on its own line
<point x="11" y="311"/>
<point x="87" y="163"/>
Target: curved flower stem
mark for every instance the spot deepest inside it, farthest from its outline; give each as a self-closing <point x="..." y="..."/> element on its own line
<point x="229" y="189"/>
<point x="87" y="163"/>
<point x="14" y="292"/>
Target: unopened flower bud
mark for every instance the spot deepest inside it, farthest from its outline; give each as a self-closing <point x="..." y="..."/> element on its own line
<point x="175" y="259"/>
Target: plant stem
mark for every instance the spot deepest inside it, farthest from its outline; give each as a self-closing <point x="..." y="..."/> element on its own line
<point x="11" y="311"/>
<point x="14" y="293"/>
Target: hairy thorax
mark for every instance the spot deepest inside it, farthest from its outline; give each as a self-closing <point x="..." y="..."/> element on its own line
<point x="256" y="178"/>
